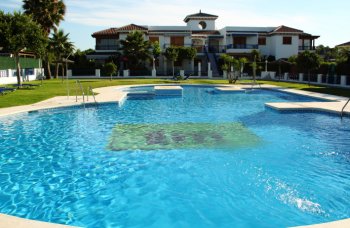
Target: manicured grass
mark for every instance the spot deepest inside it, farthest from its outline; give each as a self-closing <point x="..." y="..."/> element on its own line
<point x="52" y="88"/>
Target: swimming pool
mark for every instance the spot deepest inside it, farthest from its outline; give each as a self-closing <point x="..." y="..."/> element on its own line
<point x="70" y="165"/>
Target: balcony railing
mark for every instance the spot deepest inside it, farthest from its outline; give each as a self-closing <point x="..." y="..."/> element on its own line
<point x="306" y="48"/>
<point x="242" y="46"/>
<point x="217" y="48"/>
<point x="107" y="47"/>
<point x="175" y="45"/>
<point x="201" y="48"/>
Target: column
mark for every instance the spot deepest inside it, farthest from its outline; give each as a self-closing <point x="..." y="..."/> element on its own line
<point x="210" y="73"/>
<point x="98" y="73"/>
<point x="199" y="69"/>
<point x="303" y="43"/>
<point x="301" y="75"/>
<point x="165" y="67"/>
<point x="343" y="80"/>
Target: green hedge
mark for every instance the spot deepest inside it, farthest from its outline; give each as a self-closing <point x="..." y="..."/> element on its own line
<point x="9" y="63"/>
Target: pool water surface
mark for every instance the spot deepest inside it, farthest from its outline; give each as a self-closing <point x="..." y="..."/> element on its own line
<point x="72" y="165"/>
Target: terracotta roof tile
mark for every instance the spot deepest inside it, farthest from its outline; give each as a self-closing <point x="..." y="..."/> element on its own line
<point x="132" y="27"/>
<point x="200" y="14"/>
<point x="110" y="31"/>
<point x="344" y="44"/>
<point x="285" y="29"/>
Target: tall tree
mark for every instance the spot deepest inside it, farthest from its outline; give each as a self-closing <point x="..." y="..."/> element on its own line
<point x="231" y="64"/>
<point x="156" y="51"/>
<point x="136" y="49"/>
<point x="49" y="14"/>
<point x="61" y="46"/>
<point x="18" y="32"/>
<point x="172" y="53"/>
<point x="255" y="56"/>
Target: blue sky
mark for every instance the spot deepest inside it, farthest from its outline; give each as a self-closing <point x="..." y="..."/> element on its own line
<point x="329" y="19"/>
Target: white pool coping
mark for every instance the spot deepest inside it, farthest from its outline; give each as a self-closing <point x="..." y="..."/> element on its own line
<point x="116" y="94"/>
<point x="8" y="221"/>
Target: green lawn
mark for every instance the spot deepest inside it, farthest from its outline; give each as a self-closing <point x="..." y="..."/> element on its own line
<point x="319" y="89"/>
<point x="52" y="88"/>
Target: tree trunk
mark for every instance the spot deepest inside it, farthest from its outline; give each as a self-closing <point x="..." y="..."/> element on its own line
<point x="56" y="70"/>
<point x="173" y="68"/>
<point x="48" y="67"/>
<point x="308" y="76"/>
<point x="18" y="73"/>
<point x="63" y="71"/>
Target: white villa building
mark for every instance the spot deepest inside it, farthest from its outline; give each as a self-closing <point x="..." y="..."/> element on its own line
<point x="200" y="32"/>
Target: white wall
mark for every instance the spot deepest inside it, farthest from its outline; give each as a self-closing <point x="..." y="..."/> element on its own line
<point x="252" y="40"/>
<point x="188" y="41"/>
<point x="279" y="50"/>
<point x="223" y="33"/>
<point x="193" y="24"/>
<point x="10" y="76"/>
<point x="265" y="49"/>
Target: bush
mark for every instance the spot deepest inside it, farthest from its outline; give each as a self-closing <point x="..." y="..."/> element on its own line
<point x="110" y="69"/>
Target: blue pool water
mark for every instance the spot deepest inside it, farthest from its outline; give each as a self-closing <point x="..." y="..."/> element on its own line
<point x="56" y="166"/>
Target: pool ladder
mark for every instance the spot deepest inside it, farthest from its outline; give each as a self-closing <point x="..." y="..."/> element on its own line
<point x="92" y="93"/>
<point x="342" y="111"/>
<point x="78" y="86"/>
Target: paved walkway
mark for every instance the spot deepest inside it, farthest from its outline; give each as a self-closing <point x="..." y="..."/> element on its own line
<point x="334" y="104"/>
<point x="105" y="94"/>
<point x="7" y="221"/>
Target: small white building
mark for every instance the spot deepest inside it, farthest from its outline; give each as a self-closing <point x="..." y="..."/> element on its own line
<point x="30" y="68"/>
<point x="200" y="32"/>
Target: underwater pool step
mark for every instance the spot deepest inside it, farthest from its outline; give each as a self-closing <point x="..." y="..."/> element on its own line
<point x="168" y="90"/>
<point x="228" y="89"/>
<point x="141" y="94"/>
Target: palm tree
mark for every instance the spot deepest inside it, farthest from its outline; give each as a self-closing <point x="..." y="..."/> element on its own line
<point x="47" y="13"/>
<point x="136" y="49"/>
<point x="61" y="46"/>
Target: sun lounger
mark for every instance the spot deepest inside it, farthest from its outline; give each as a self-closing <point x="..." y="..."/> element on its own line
<point x="26" y="85"/>
<point x="4" y="90"/>
<point x="187" y="76"/>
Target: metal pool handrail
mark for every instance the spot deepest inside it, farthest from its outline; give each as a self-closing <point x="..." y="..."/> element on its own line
<point x="93" y="95"/>
<point x="342" y="111"/>
<point x="79" y="86"/>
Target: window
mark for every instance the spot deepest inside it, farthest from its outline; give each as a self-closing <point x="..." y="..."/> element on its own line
<point x="106" y="44"/>
<point x="154" y="39"/>
<point x="202" y="25"/>
<point x="177" y="41"/>
<point x="239" y="42"/>
<point x="287" y="40"/>
<point x="262" y="41"/>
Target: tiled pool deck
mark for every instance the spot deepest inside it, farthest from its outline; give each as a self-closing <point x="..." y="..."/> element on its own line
<point x="332" y="104"/>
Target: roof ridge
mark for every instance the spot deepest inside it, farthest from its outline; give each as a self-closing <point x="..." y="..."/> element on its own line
<point x="132" y="26"/>
<point x="283" y="28"/>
